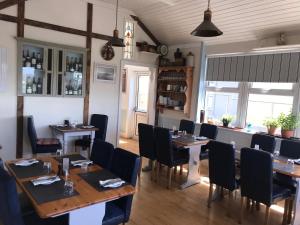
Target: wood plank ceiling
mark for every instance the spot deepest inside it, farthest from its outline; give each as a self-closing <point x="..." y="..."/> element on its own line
<point x="171" y="21"/>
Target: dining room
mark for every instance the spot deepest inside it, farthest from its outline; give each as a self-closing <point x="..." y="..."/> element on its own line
<point x="149" y="112"/>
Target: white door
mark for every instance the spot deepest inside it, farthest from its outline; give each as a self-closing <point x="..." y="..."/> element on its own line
<point x="142" y="101"/>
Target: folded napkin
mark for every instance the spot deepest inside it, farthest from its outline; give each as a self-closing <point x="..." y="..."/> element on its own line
<point x="26" y="162"/>
<point x="201" y="138"/>
<point x="45" y="180"/>
<point x="81" y="162"/>
<point x="111" y="183"/>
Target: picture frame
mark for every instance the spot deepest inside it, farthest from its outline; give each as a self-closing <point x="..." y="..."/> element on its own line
<point x="105" y="73"/>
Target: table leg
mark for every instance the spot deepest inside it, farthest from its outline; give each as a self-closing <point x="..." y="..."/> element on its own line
<point x="92" y="142"/>
<point x="193" y="174"/>
<point x="91" y="215"/>
<point x="64" y="143"/>
<point x="296" y="220"/>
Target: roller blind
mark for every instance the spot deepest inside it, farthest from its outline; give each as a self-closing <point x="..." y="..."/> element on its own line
<point x="281" y="67"/>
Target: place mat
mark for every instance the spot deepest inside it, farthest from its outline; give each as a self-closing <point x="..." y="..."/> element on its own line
<point x="71" y="158"/>
<point x="93" y="178"/>
<point x="33" y="170"/>
<point x="47" y="193"/>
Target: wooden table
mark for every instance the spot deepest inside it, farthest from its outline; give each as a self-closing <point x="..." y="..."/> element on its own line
<point x="87" y="208"/>
<point x="194" y="146"/>
<point x="63" y="133"/>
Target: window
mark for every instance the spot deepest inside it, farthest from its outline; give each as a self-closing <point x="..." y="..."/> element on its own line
<point x="143" y="93"/>
<point x="128" y="40"/>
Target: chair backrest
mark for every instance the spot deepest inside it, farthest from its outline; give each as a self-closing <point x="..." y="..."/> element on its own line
<point x="222" y="164"/>
<point x="208" y="130"/>
<point x="187" y="125"/>
<point x="102" y="153"/>
<point x="126" y="166"/>
<point x="100" y="121"/>
<point x="290" y="149"/>
<point x="266" y="142"/>
<point x="146" y="141"/>
<point x="257" y="175"/>
<point x="10" y="210"/>
<point x="163" y="146"/>
<point x="32" y="133"/>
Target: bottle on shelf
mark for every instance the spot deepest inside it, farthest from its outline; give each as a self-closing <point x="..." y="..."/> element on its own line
<point x="70" y="88"/>
<point x="34" y="86"/>
<point x="67" y="64"/>
<point x="39" y="86"/>
<point x="28" y="86"/>
<point x="76" y="64"/>
<point x="80" y="65"/>
<point x="72" y="69"/>
<point x="39" y="63"/>
<point x="80" y="89"/>
<point x="23" y="59"/>
<point x="33" y="60"/>
<point x="27" y="61"/>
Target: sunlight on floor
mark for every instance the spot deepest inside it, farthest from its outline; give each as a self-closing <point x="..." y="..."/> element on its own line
<point x="122" y="141"/>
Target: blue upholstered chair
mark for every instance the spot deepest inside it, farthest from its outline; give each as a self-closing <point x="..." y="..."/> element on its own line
<point x="257" y="181"/>
<point x="147" y="143"/>
<point x="165" y="152"/>
<point x="10" y="211"/>
<point x="266" y="142"/>
<point x="102" y="153"/>
<point x="187" y="125"/>
<point x="210" y="131"/>
<point x="40" y="145"/>
<point x="221" y="168"/>
<point x="126" y="166"/>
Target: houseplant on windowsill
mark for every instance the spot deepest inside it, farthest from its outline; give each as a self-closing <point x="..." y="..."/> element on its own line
<point x="288" y="124"/>
<point x="226" y="120"/>
<point x="272" y="125"/>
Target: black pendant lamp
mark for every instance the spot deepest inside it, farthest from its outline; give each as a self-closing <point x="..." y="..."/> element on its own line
<point x="207" y="28"/>
<point x="116" y="41"/>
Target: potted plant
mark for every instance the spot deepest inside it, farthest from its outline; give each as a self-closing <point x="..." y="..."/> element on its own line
<point x="288" y="124"/>
<point x="271" y="125"/>
<point x="226" y="120"/>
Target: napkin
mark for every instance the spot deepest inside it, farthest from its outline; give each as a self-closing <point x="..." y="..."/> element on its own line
<point x="26" y="162"/>
<point x="111" y="183"/>
<point x="201" y="138"/>
<point x="80" y="162"/>
<point x="45" y="180"/>
<point x="297" y="161"/>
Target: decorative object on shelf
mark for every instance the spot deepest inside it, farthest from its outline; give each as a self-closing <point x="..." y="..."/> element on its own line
<point x="179" y="60"/>
<point x="164" y="61"/>
<point x="107" y="52"/>
<point x="116" y="41"/>
<point x="163" y="50"/>
<point x="104" y="73"/>
<point x="226" y="120"/>
<point x="207" y="28"/>
<point x="190" y="59"/>
<point x="272" y="125"/>
<point x="288" y="123"/>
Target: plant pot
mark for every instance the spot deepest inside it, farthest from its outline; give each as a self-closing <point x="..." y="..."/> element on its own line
<point x="225" y="124"/>
<point x="272" y="130"/>
<point x="287" y="133"/>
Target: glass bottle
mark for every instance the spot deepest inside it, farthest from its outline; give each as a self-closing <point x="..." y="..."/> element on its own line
<point x="34" y="86"/>
<point x="28" y="61"/>
<point x="33" y="60"/>
<point x="39" y="86"/>
<point x="67" y="64"/>
<point x="39" y="65"/>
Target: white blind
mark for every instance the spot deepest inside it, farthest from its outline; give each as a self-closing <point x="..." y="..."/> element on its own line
<point x="281" y="67"/>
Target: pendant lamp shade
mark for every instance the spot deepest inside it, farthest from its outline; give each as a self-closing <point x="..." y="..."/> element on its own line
<point x="207" y="28"/>
<point x="116" y="41"/>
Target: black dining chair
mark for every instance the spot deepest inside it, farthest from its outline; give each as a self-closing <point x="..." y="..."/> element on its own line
<point x="187" y="125"/>
<point x="165" y="152"/>
<point x="102" y="153"/>
<point x="257" y="181"/>
<point x="221" y="162"/>
<point x="10" y="210"/>
<point x="40" y="145"/>
<point x="210" y="131"/>
<point x="99" y="121"/>
<point x="266" y="142"/>
<point x="147" y="144"/>
<point x="126" y="166"/>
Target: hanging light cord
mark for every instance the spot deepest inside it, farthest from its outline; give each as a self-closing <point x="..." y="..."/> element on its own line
<point x="208" y="4"/>
<point x="117" y="14"/>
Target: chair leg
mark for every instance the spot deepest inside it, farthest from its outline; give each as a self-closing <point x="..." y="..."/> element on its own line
<point x="267" y="215"/>
<point x="290" y="211"/>
<point x="141" y="166"/>
<point x="211" y="188"/>
<point x="241" y="210"/>
<point x="181" y="169"/>
<point x="170" y="171"/>
<point x="157" y="171"/>
<point x="153" y="171"/>
<point x="230" y="197"/>
<point x="286" y="209"/>
<point x="248" y="204"/>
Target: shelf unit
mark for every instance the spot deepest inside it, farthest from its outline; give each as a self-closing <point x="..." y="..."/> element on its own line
<point x="174" y="89"/>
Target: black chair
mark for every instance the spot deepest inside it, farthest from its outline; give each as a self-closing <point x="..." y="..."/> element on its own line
<point x="41" y="145"/>
<point x="221" y="168"/>
<point x="187" y="125"/>
<point x="165" y="152"/>
<point x="10" y="210"/>
<point x="102" y="153"/>
<point x="126" y="166"/>
<point x="266" y="142"/>
<point x="257" y="181"/>
<point x="210" y="131"/>
<point x="99" y="121"/>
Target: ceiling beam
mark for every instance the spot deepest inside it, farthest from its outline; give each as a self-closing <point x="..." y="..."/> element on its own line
<point x="146" y="30"/>
<point x="7" y="3"/>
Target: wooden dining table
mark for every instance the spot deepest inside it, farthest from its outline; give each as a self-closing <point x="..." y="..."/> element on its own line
<point x="87" y="206"/>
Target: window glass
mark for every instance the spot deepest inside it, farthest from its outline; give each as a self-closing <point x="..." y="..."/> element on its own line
<point x="268" y="86"/>
<point x="143" y="93"/>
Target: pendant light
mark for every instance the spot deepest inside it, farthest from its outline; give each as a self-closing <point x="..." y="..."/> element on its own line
<point x="116" y="41"/>
<point x="207" y="28"/>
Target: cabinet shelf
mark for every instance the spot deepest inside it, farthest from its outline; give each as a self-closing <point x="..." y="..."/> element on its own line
<point x="172" y="92"/>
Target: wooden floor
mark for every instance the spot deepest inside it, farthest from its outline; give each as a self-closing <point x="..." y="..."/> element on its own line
<point x="155" y="205"/>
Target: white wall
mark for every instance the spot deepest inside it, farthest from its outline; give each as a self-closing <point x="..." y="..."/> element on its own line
<point x="104" y="98"/>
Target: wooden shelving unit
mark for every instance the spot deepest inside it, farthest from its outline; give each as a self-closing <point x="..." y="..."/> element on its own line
<point x="174" y="89"/>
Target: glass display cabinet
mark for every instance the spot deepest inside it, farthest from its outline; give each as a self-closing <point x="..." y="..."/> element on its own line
<point x="46" y="69"/>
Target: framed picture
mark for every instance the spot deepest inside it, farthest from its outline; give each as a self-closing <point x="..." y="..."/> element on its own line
<point x="105" y="73"/>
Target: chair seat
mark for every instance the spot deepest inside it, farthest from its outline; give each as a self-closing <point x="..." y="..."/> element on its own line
<point x="34" y="219"/>
<point x="48" y="141"/>
<point x="113" y="214"/>
<point x="280" y="192"/>
<point x="285" y="181"/>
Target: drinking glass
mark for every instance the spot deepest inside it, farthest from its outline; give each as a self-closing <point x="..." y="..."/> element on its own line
<point x="174" y="128"/>
<point x="66" y="164"/>
<point x="47" y="166"/>
<point x="84" y="167"/>
<point x="68" y="187"/>
<point x="291" y="162"/>
<point x="256" y="147"/>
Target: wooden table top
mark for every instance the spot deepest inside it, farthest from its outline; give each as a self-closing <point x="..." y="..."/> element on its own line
<point x="189" y="140"/>
<point x="70" y="129"/>
<point x="87" y="194"/>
